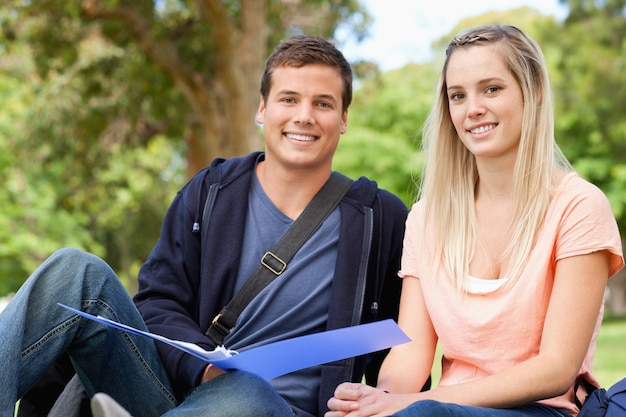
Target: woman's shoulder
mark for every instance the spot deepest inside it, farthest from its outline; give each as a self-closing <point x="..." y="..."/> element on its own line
<point x="586" y="220"/>
<point x="574" y="187"/>
<point x="576" y="198"/>
<point x="418" y="206"/>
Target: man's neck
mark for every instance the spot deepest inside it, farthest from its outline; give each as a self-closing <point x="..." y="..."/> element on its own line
<point x="290" y="190"/>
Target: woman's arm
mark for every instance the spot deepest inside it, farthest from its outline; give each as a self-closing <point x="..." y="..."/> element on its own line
<point x="407" y="367"/>
<point x="576" y="298"/>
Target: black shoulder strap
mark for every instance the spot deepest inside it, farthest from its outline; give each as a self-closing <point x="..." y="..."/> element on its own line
<point x="274" y="262"/>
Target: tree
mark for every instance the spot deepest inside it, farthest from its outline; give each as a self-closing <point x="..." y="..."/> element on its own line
<point x="591" y="96"/>
<point x="31" y="223"/>
<point x="589" y="89"/>
<point x="383" y="137"/>
<point x="204" y="56"/>
<point x="116" y="103"/>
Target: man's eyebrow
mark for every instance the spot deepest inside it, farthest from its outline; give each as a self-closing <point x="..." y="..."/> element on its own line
<point x="327" y="97"/>
<point x="287" y="92"/>
<point x="324" y="96"/>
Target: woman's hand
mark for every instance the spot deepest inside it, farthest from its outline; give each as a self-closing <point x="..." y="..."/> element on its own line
<point x="360" y="400"/>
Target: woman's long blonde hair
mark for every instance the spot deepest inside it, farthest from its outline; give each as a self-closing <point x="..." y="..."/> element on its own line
<point x="450" y="174"/>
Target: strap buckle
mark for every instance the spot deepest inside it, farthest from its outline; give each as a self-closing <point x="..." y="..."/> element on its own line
<point x="219" y="327"/>
<point x="273" y="263"/>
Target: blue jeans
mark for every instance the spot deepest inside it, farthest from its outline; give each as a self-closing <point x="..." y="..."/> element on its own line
<point x="35" y="331"/>
<point x="429" y="408"/>
<point x="234" y="394"/>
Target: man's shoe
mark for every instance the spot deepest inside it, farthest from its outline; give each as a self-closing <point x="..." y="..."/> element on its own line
<point x="103" y="405"/>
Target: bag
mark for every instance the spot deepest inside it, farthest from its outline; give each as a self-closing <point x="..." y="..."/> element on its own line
<point x="604" y="403"/>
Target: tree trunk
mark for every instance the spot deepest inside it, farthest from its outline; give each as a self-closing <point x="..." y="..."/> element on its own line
<point x="222" y="99"/>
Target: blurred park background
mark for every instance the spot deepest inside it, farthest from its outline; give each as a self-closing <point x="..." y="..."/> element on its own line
<point x="107" y="107"/>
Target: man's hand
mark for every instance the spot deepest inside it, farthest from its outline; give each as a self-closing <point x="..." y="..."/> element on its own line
<point x="210" y="372"/>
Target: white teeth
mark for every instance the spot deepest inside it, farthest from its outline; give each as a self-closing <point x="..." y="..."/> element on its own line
<point x="482" y="129"/>
<point x="300" y="137"/>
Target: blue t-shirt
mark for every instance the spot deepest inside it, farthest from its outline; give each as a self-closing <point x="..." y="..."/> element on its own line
<point x="295" y="303"/>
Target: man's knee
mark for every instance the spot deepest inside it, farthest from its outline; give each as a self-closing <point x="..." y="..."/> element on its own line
<point x="236" y="393"/>
<point x="75" y="257"/>
<point x="249" y="391"/>
<point x="71" y="262"/>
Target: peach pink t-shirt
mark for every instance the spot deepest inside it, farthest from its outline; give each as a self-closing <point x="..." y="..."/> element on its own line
<point x="489" y="330"/>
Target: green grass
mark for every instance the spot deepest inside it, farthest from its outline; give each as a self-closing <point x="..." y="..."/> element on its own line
<point x="610" y="359"/>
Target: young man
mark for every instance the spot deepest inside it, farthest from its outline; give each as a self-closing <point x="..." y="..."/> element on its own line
<point x="344" y="275"/>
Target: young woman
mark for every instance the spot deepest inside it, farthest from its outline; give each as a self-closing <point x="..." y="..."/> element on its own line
<point x="507" y="251"/>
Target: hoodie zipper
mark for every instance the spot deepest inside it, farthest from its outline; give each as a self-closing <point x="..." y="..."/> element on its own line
<point x="206" y="212"/>
<point x="357" y="313"/>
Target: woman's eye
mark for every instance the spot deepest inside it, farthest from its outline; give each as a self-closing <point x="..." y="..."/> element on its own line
<point x="456" y="96"/>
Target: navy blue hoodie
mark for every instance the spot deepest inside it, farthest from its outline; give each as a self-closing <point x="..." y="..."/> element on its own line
<point x="181" y="290"/>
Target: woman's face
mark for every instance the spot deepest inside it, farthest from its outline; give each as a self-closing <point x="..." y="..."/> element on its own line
<point x="485" y="102"/>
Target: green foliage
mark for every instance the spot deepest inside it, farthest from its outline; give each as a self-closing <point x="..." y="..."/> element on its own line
<point x="32" y="225"/>
<point x="383" y="138"/>
<point x="93" y="133"/>
<point x="95" y="130"/>
<point x="589" y="75"/>
<point x="78" y="169"/>
<point x="389" y="160"/>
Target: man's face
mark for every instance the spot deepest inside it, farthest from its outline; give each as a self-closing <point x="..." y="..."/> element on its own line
<point x="302" y="117"/>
